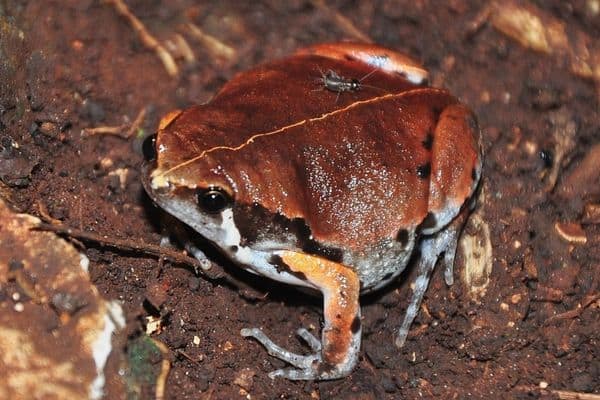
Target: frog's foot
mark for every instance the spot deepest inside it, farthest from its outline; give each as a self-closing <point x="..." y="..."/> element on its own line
<point x="336" y="354"/>
<point x="306" y="365"/>
<point x="443" y="242"/>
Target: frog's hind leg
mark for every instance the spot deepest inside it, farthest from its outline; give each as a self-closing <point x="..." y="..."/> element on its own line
<point x="432" y="247"/>
<point x="336" y="354"/>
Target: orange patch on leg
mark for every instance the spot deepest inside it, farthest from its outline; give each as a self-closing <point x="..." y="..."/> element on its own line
<point x="340" y="286"/>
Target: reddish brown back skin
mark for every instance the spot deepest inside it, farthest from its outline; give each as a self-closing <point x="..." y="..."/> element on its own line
<point x="351" y="175"/>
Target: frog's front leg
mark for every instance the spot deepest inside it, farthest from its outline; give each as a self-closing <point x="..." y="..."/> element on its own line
<point x="336" y="354"/>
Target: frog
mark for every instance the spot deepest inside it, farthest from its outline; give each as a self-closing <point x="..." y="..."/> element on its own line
<point x="334" y="195"/>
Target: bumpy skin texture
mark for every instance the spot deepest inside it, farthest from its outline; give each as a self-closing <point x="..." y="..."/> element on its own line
<point x="329" y="192"/>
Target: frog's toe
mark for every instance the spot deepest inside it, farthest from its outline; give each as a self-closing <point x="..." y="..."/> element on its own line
<point x="310" y="339"/>
<point x="449" y="256"/>
<point x="306" y="364"/>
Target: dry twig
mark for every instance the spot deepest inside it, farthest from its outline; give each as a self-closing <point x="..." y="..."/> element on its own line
<point x="165" y="367"/>
<point x="562" y="394"/>
<point x="131" y="245"/>
<point x="587" y="301"/>
<point x="344" y="23"/>
<point x="124" y="131"/>
<point x="136" y="123"/>
<point x="213" y="45"/>
<point x="147" y="39"/>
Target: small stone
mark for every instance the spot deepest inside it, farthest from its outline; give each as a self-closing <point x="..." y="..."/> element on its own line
<point x="516" y="298"/>
<point x="591" y="214"/>
<point x="544" y="385"/>
<point x="227" y="346"/>
<point x="245" y="379"/>
<point x="49" y="129"/>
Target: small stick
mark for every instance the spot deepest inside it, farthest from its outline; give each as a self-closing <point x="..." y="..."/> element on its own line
<point x="136" y="123"/>
<point x="130" y="245"/>
<point x="165" y="367"/>
<point x="118" y="129"/>
<point x="106" y="130"/>
<point x="211" y="43"/>
<point x="569" y="395"/>
<point x="182" y="47"/>
<point x="343" y="22"/>
<point x="588" y="300"/>
<point x="147" y="39"/>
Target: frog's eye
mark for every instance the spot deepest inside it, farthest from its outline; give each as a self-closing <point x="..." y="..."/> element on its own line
<point x="214" y="199"/>
<point x="149" y="148"/>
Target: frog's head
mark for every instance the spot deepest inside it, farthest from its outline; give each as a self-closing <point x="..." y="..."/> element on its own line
<point x="189" y="187"/>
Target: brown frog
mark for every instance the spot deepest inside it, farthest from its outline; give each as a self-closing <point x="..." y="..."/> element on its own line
<point x="330" y="190"/>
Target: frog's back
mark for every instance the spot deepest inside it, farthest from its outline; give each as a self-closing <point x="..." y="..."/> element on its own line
<point x="360" y="172"/>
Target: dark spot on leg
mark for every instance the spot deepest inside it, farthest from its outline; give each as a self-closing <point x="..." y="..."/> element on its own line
<point x="424" y="170"/>
<point x="233" y="249"/>
<point x="387" y="276"/>
<point x="355" y="327"/>
<point x="430" y="221"/>
<point x="279" y="264"/>
<point x="282" y="267"/>
<point x="402" y="237"/>
<point x="428" y="141"/>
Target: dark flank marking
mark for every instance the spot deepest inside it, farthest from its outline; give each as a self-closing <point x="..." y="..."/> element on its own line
<point x="330" y="253"/>
<point x="281" y="266"/>
<point x="233" y="249"/>
<point x="430" y="221"/>
<point x="258" y="224"/>
<point x="428" y="141"/>
<point x="387" y="276"/>
<point x="311" y="246"/>
<point x="355" y="327"/>
<point x="474" y="174"/>
<point x="423" y="171"/>
<point x="402" y="237"/>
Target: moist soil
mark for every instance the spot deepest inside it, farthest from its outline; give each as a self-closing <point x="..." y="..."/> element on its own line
<point x="73" y="65"/>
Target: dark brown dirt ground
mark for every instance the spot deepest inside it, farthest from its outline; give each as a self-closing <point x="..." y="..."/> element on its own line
<point x="72" y="65"/>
